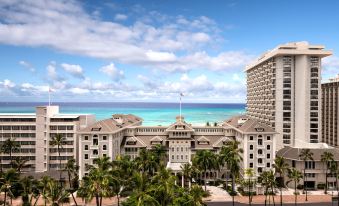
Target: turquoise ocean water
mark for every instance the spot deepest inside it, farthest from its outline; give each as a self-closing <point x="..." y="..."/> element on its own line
<point x="152" y="113"/>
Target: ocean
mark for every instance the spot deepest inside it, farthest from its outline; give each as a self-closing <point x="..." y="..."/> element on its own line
<point x="152" y="113"/>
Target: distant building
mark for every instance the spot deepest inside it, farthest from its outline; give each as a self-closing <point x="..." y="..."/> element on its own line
<point x="124" y="135"/>
<point x="315" y="170"/>
<point x="283" y="91"/>
<point x="33" y="133"/>
<point x="330" y="112"/>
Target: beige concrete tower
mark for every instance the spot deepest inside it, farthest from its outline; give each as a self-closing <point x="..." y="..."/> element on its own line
<point x="283" y="91"/>
<point x="330" y="112"/>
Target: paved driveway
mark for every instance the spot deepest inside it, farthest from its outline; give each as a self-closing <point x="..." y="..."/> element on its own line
<point x="218" y="194"/>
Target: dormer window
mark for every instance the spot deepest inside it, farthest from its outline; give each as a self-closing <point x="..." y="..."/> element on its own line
<point x="96" y="129"/>
<point x="155" y="142"/>
<point x="131" y="142"/>
<point x="203" y="143"/>
<point x="259" y="129"/>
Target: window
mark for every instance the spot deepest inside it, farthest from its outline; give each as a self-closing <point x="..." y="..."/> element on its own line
<point x="259" y="141"/>
<point x="251" y="165"/>
<point x="86" y="137"/>
<point x="104" y="147"/>
<point x="86" y="156"/>
<point x="95" y="152"/>
<point x="293" y="163"/>
<point x="268" y="156"/>
<point x="86" y="147"/>
<point x="104" y="155"/>
<point x="251" y="137"/>
<point x="260" y="151"/>
<point x="172" y="157"/>
<point x="251" y="147"/>
<point x="268" y="147"/>
<point x="251" y="156"/>
<point x="260" y="161"/>
<point x="104" y="137"/>
<point x="172" y="149"/>
<point x="268" y="138"/>
<point x="268" y="164"/>
<point x="259" y="170"/>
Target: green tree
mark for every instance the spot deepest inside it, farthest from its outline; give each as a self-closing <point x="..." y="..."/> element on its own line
<point x="249" y="172"/>
<point x="267" y="179"/>
<point x="295" y="176"/>
<point x="72" y="171"/>
<point x="232" y="156"/>
<point x="305" y="155"/>
<point x="326" y="158"/>
<point x="281" y="167"/>
<point x="9" y="146"/>
<point x="164" y="186"/>
<point x="55" y="193"/>
<point x="30" y="191"/>
<point x="187" y="171"/>
<point x="19" y="163"/>
<point x="43" y="183"/>
<point x="7" y="182"/>
<point x="142" y="192"/>
<point x="58" y="140"/>
<point x="97" y="183"/>
<point x="205" y="160"/>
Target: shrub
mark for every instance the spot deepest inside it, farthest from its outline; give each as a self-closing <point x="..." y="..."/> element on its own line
<point x="300" y="187"/>
<point x="206" y="193"/>
<point x="321" y="186"/>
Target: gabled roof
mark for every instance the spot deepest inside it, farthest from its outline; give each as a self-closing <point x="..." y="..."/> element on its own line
<point x="111" y="125"/>
<point x="180" y="125"/>
<point x="203" y="139"/>
<point x="220" y="142"/>
<point x="156" y="138"/>
<point x="245" y="124"/>
<point x="138" y="142"/>
<point x="293" y="153"/>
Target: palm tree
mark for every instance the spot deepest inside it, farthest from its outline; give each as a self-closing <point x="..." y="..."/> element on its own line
<point x="164" y="186"/>
<point x="58" y="140"/>
<point x="231" y="153"/>
<point x="187" y="171"/>
<point x="280" y="166"/>
<point x="97" y="183"/>
<point x="326" y="158"/>
<point x="9" y="146"/>
<point x="19" y="163"/>
<point x="43" y="187"/>
<point x="142" y="192"/>
<point x="160" y="151"/>
<point x="205" y="160"/>
<point x="8" y="179"/>
<point x="305" y="155"/>
<point x="196" y="192"/>
<point x="30" y="191"/>
<point x="72" y="172"/>
<point x="295" y="176"/>
<point x="249" y="173"/>
<point x="56" y="194"/>
<point x="267" y="179"/>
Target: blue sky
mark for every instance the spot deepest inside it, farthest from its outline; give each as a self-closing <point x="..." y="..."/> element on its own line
<point x="150" y="50"/>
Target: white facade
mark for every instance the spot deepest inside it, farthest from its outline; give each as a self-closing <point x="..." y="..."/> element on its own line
<point x="34" y="131"/>
<point x="284" y="92"/>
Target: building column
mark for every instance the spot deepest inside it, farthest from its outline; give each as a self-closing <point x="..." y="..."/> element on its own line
<point x="175" y="182"/>
<point x="182" y="181"/>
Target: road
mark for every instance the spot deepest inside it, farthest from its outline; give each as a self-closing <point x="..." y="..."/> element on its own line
<point x="284" y="204"/>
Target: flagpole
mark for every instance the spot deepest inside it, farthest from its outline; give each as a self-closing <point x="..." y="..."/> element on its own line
<point x="180" y="107"/>
<point x="49" y="96"/>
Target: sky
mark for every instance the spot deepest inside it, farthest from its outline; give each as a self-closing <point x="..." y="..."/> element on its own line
<point x="150" y="51"/>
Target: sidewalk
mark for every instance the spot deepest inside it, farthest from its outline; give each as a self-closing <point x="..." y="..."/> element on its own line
<point x="218" y="195"/>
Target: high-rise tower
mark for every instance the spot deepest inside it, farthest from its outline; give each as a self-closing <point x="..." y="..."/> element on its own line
<point x="284" y="91"/>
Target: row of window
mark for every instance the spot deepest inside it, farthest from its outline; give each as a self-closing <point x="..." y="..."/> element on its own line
<point x="104" y="147"/>
<point x="17" y="127"/>
<point x="268" y="147"/>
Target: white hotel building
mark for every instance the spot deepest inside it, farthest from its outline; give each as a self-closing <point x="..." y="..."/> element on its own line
<point x="33" y="131"/>
<point x="284" y="91"/>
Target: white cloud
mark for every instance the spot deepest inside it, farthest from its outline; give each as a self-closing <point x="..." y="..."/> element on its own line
<point x="27" y="66"/>
<point x="114" y="73"/>
<point x="74" y="70"/>
<point x="7" y="84"/>
<point x="120" y="17"/>
<point x="77" y="90"/>
<point x="68" y="28"/>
